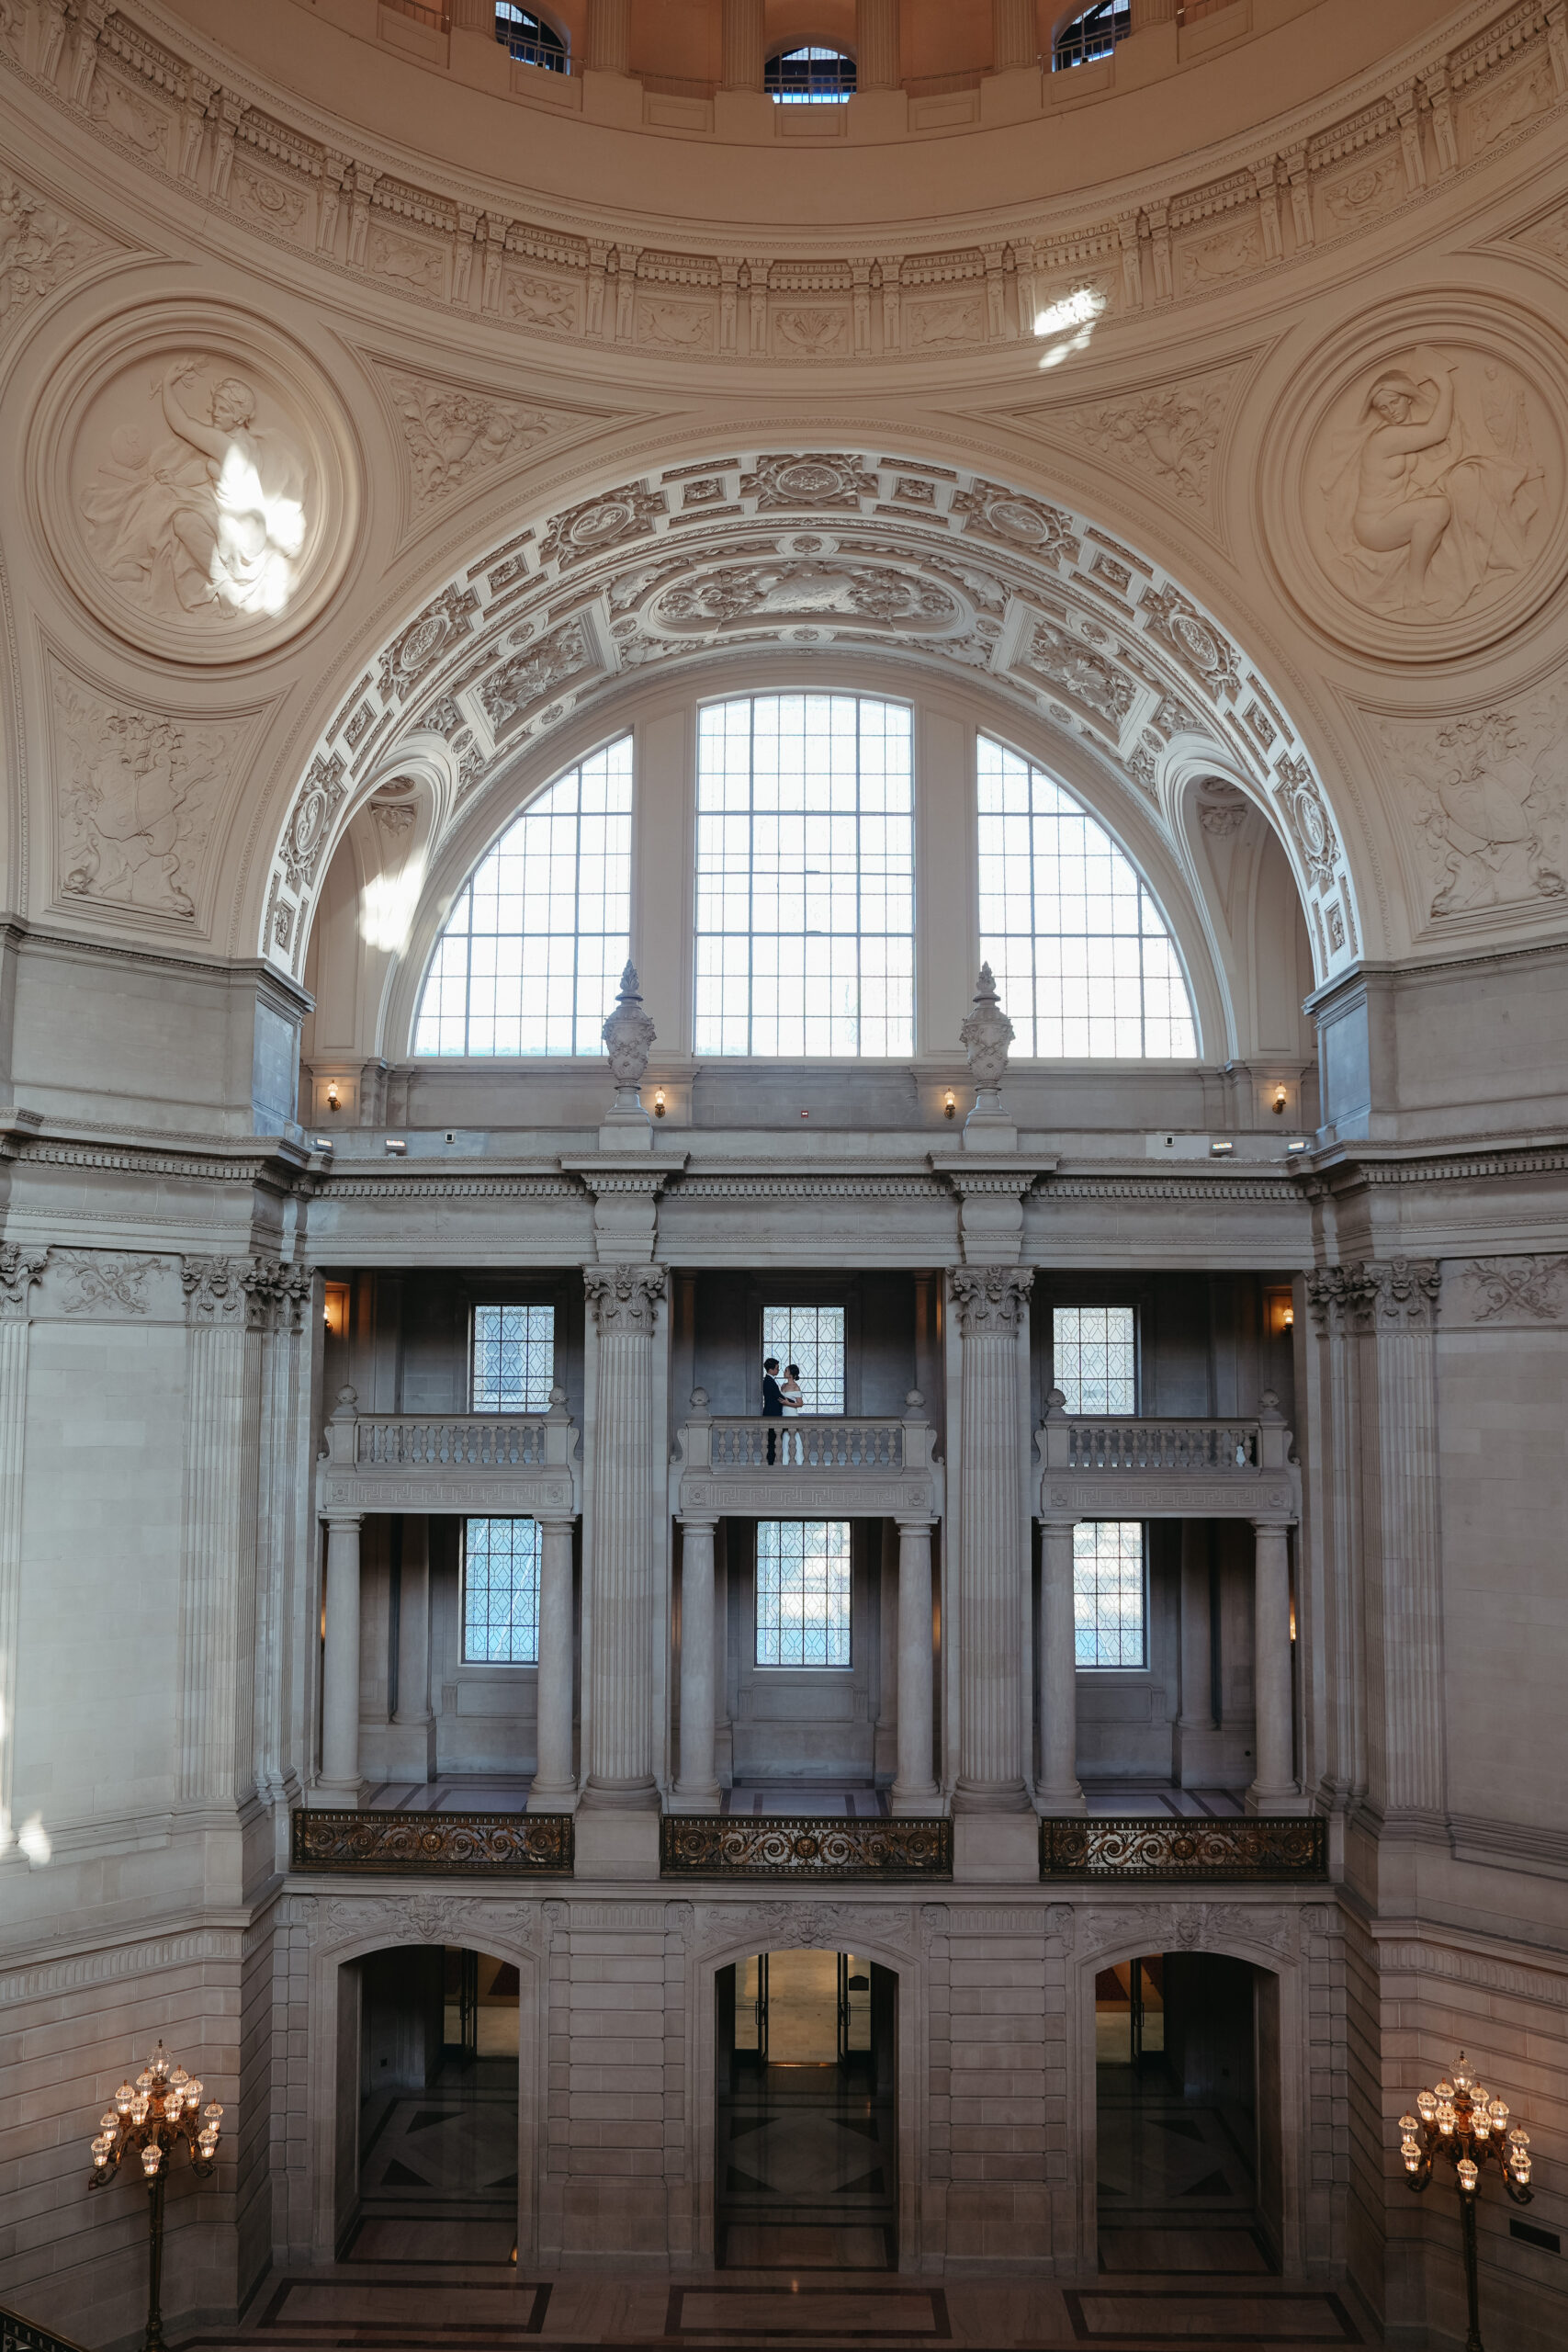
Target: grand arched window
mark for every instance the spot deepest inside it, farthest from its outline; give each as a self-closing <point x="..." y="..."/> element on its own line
<point x="806" y="877"/>
<point x="1092" y="34"/>
<point x="1084" y="962"/>
<point x="532" y="951"/>
<point x="530" y="38"/>
<point x="809" y="75"/>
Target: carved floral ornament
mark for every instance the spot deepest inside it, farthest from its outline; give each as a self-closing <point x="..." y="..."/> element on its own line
<point x="201" y="487"/>
<point x="826" y="552"/>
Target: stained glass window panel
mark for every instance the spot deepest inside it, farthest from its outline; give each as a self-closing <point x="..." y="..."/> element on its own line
<point x="1109" y="1593"/>
<point x="1084" y="964"/>
<point x="812" y="1337"/>
<point x="1094" y="1358"/>
<point x="802" y="1592"/>
<point x="514" y="1366"/>
<point x="500" y="1591"/>
<point x="533" y="950"/>
<point x="805" y="878"/>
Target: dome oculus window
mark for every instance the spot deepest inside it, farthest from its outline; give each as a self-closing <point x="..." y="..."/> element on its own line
<point x="531" y="952"/>
<point x="806" y="877"/>
<point x="810" y="76"/>
<point x="1084" y="962"/>
<point x="530" y="40"/>
<point x="1092" y="35"/>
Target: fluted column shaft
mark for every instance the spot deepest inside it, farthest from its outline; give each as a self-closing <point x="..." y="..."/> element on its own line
<point x="745" y="44"/>
<point x="18" y="1272"/>
<point x="1153" y="12"/>
<point x="1015" y="34"/>
<point x="609" y="35"/>
<point x="339" y="1667"/>
<point x="914" y="1788"/>
<point x="1059" y="1788"/>
<point x="992" y="1303"/>
<point x="876" y="44"/>
<point x="1275" y="1778"/>
<point x="697" y="1789"/>
<point x="1197" y="1647"/>
<point x="623" y="1301"/>
<point x="554" y="1781"/>
<point x="229" y="1303"/>
<point x="1404" y="1315"/>
<point x="414" y="1623"/>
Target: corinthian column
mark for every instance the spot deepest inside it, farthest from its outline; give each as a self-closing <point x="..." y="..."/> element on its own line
<point x="609" y="35"/>
<point x="1015" y="34"/>
<point x="623" y="1302"/>
<point x="745" y="44"/>
<point x="1059" y="1790"/>
<point x="992" y="1303"/>
<point x="339" y="1783"/>
<point x="876" y="44"/>
<point x="914" y="1791"/>
<point x="228" y="1305"/>
<point x="1399" y="1308"/>
<point x="697" y="1789"/>
<point x="555" y="1782"/>
<point x="18" y="1272"/>
<point x="1275" y="1782"/>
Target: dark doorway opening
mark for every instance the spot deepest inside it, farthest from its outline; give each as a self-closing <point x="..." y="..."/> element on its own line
<point x="806" y="2137"/>
<point x="437" y="2125"/>
<point x="1178" y="2076"/>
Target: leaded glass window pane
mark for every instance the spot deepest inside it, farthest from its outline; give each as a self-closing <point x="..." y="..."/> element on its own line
<point x="514" y="1366"/>
<point x="1109" y="1593"/>
<point x="812" y="1337"/>
<point x="805" y="878"/>
<point x="533" y="950"/>
<point x="1084" y="964"/>
<point x="500" y="1591"/>
<point x="1094" y="1358"/>
<point x="802" y="1592"/>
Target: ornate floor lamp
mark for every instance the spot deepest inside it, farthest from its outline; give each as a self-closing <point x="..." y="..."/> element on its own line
<point x="1458" y="2123"/>
<point x="150" y="2117"/>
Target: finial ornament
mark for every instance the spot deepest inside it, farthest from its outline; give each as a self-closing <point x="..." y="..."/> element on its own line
<point x="628" y="1035"/>
<point x="986" y="1034"/>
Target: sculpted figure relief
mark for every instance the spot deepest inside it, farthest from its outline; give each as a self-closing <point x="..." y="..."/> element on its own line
<point x="1431" y="494"/>
<point x="198" y="508"/>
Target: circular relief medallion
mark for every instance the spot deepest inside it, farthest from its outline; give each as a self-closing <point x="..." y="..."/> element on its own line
<point x="202" y="493"/>
<point x="1427" y="508"/>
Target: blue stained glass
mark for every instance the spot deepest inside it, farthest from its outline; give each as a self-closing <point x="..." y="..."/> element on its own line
<point x="802" y="1592"/>
<point x="513" y="1365"/>
<point x="1109" y="1593"/>
<point x="500" y="1591"/>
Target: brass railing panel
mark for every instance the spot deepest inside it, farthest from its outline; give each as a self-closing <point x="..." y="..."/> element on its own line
<point x="1254" y="1846"/>
<point x="790" y="1846"/>
<point x="423" y="1845"/>
<point x="20" y="2334"/>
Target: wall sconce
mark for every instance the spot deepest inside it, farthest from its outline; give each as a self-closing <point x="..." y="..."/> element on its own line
<point x="659" y="1101"/>
<point x="950" y="1104"/>
<point x="1279" y="1313"/>
<point x="1288" y="1320"/>
<point x="334" y="1314"/>
<point x="332" y="1096"/>
<point x="1282" y="1100"/>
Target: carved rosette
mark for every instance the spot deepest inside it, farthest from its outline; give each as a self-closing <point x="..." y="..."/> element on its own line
<point x="625" y="1298"/>
<point x="990" y="1298"/>
<point x="628" y="1035"/>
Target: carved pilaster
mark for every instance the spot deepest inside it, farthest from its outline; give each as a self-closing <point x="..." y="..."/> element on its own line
<point x="992" y="1305"/>
<point x="619" y="1566"/>
<point x="19" y="1270"/>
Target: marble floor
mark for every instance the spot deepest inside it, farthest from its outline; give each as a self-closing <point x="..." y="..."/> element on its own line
<point x="833" y="1797"/>
<point x="475" y="2299"/>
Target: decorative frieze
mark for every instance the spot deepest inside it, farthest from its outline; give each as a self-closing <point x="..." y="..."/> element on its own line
<point x="1250" y="1847"/>
<point x="407" y="1845"/>
<point x="727" y="1845"/>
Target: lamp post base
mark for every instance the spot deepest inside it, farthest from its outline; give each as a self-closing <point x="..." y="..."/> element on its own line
<point x="154" y="2339"/>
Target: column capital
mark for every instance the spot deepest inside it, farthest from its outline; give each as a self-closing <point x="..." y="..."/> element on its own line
<point x="708" y="1519"/>
<point x="624" y="1298"/>
<point x="919" y="1522"/>
<point x="991" y="1298"/>
<point x="259" y="1293"/>
<point x="19" y="1270"/>
<point x="342" y="1518"/>
<point x="1376" y="1294"/>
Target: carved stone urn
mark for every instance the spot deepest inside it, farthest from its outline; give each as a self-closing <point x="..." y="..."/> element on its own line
<point x="985" y="1036"/>
<point x="628" y="1035"/>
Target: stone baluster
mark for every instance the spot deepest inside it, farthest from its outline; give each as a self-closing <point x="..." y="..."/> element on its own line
<point x="228" y="1305"/>
<point x="609" y="36"/>
<point x="745" y="44"/>
<point x="992" y="1305"/>
<point x="1275" y="1783"/>
<point x="1015" y="35"/>
<point x="340" y="1782"/>
<point x="555" y="1777"/>
<point x="914" y="1790"/>
<point x="876" y="45"/>
<point x="623" y="1301"/>
<point x="18" y="1272"/>
<point x="697" y="1789"/>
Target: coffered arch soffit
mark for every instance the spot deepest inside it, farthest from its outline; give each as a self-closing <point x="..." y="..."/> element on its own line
<point x="813" y="553"/>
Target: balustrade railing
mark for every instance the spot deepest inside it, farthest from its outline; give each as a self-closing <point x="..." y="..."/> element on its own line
<point x="860" y="1465"/>
<point x="1205" y="1446"/>
<point x="758" y="1444"/>
<point x="513" y="1462"/>
<point x="405" y="1441"/>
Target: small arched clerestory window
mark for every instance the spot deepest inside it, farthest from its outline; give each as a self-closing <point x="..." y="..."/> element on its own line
<point x="1092" y="34"/>
<point x="1084" y="964"/>
<point x="529" y="39"/>
<point x="528" y="959"/>
<point x="811" y="74"/>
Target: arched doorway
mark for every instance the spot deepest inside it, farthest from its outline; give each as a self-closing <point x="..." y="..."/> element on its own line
<point x="805" y="2128"/>
<point x="1186" y="2082"/>
<point x="427" y="2113"/>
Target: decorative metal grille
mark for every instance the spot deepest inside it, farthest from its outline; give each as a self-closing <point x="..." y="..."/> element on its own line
<point x="802" y="1592"/>
<point x="20" y="2334"/>
<point x="1109" y="1593"/>
<point x="500" y="1591"/>
<point x="812" y="1338"/>
<point x="1257" y="1845"/>
<point x="419" y="1845"/>
<point x="717" y="1845"/>
<point x="1084" y="962"/>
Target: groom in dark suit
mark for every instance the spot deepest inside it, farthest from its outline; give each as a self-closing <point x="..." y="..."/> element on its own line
<point x="773" y="1402"/>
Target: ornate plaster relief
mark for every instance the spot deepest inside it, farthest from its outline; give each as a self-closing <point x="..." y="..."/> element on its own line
<point x="200" y="491"/>
<point x="1420" y="487"/>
